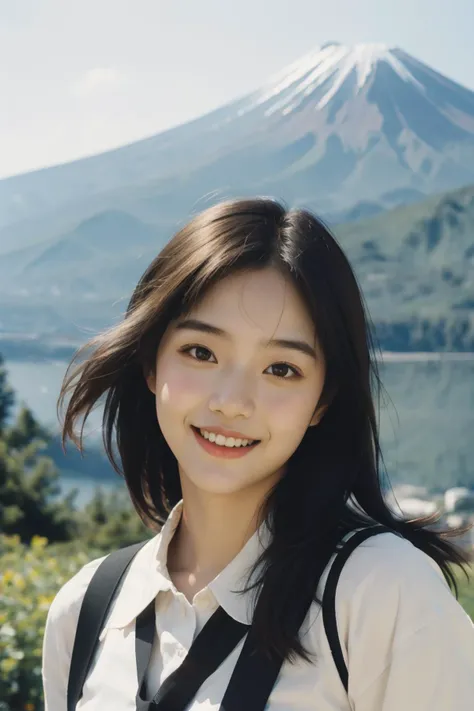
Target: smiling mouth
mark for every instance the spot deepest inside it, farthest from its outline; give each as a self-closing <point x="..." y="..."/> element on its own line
<point x="247" y="446"/>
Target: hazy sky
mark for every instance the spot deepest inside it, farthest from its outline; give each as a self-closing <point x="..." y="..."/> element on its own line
<point x="80" y="76"/>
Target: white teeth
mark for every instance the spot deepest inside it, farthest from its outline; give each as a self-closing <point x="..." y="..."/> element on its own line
<point x="225" y="441"/>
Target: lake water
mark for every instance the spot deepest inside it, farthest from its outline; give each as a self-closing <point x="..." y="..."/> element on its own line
<point x="427" y="419"/>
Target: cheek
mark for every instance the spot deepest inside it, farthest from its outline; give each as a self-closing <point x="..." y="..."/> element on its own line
<point x="176" y="386"/>
<point x="291" y="411"/>
<point x="284" y="408"/>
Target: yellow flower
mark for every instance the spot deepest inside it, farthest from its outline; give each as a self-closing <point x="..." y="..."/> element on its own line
<point x="11" y="541"/>
<point x="44" y="601"/>
<point x="7" y="665"/>
<point x="19" y="581"/>
<point x="39" y="542"/>
<point x="29" y="707"/>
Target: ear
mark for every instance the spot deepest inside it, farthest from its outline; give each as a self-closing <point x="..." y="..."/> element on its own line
<point x="318" y="416"/>
<point x="150" y="377"/>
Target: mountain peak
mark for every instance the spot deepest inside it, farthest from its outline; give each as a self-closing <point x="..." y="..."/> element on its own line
<point x="376" y="49"/>
<point x="369" y="52"/>
<point x="371" y="48"/>
<point x="365" y="57"/>
<point x="334" y="62"/>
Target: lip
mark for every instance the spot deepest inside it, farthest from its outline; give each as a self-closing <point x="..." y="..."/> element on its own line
<point x="219" y="451"/>
<point x="226" y="433"/>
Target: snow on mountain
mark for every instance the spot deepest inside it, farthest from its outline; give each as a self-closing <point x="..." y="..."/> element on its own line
<point x="332" y="63"/>
<point x="341" y="126"/>
<point x="334" y="74"/>
<point x="379" y="120"/>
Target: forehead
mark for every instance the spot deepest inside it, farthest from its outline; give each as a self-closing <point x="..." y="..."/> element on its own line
<point x="265" y="300"/>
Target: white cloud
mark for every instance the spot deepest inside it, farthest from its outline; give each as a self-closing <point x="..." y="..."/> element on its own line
<point x="96" y="80"/>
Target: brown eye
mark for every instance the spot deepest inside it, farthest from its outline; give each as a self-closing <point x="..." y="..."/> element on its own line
<point x="285" y="367"/>
<point x="201" y="352"/>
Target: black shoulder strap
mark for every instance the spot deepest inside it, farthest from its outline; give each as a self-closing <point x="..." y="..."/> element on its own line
<point x="92" y="616"/>
<point x="263" y="671"/>
<point x="329" y="596"/>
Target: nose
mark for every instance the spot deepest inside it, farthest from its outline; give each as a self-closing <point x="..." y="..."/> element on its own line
<point x="233" y="396"/>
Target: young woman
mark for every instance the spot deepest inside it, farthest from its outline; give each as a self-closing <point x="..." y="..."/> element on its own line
<point x="239" y="397"/>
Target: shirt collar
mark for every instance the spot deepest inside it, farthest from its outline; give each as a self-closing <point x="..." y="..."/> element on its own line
<point x="148" y="575"/>
<point x="229" y="584"/>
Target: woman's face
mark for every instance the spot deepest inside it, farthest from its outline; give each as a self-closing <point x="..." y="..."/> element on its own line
<point x="237" y="380"/>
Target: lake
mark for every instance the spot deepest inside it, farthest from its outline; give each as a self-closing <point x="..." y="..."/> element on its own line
<point x="427" y="418"/>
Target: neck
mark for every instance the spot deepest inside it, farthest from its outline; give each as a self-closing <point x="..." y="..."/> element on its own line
<point x="212" y="531"/>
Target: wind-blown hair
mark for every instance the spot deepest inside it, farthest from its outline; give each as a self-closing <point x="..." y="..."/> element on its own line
<point x="333" y="482"/>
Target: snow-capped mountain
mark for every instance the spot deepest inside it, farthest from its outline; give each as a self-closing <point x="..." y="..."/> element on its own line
<point x="377" y="120"/>
<point x="343" y="125"/>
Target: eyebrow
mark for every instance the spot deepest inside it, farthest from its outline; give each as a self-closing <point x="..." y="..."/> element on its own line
<point x="294" y="345"/>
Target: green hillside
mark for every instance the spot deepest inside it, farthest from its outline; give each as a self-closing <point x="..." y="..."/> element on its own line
<point x="416" y="267"/>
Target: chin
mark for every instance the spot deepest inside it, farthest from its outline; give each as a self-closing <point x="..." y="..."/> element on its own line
<point x="221" y="483"/>
<point x="221" y="488"/>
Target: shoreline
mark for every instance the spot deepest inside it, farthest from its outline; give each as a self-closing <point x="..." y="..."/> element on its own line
<point x="422" y="356"/>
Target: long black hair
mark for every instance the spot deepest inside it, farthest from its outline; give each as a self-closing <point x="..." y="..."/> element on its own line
<point x="333" y="482"/>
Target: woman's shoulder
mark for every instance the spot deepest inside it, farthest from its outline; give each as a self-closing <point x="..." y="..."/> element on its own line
<point x="389" y="583"/>
<point x="395" y="611"/>
<point x="397" y="620"/>
<point x="386" y="567"/>
<point x="64" y="610"/>
<point x="67" y="602"/>
<point x="387" y="560"/>
<point x="61" y="623"/>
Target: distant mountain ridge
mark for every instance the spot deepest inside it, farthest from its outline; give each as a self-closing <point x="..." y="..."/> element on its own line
<point x="415" y="264"/>
<point x="416" y="267"/>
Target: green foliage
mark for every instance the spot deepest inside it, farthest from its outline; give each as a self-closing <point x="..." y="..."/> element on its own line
<point x="7" y="397"/>
<point x="110" y="521"/>
<point x="44" y="541"/>
<point x="30" y="504"/>
<point x="466" y="592"/>
<point x="29" y="485"/>
<point x="31" y="574"/>
<point x="25" y="430"/>
<point x="414" y="265"/>
<point x="29" y="579"/>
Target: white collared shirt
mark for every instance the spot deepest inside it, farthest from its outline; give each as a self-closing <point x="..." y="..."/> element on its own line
<point x="408" y="645"/>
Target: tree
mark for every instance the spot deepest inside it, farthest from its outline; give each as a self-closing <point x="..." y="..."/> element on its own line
<point x="25" y="430"/>
<point x="109" y="521"/>
<point x="28" y="488"/>
<point x="7" y="396"/>
<point x="30" y="501"/>
<point x="29" y="481"/>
